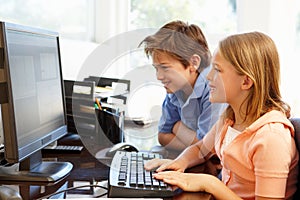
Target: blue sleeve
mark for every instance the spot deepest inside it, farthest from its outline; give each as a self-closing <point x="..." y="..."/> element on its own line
<point x="170" y="115"/>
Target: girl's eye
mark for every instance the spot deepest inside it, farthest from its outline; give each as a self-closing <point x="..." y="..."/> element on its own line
<point x="217" y="69"/>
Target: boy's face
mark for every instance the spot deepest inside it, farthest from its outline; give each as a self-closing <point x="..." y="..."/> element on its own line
<point x="173" y="75"/>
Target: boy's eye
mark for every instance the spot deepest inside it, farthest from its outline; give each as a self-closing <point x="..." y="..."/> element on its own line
<point x="164" y="68"/>
<point x="161" y="67"/>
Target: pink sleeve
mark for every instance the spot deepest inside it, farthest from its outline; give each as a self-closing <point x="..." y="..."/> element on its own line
<point x="272" y="155"/>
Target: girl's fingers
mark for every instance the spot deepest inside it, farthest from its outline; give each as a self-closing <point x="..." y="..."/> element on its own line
<point x="155" y="163"/>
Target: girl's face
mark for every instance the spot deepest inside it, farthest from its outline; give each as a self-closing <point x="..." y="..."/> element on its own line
<point x="173" y="75"/>
<point x="224" y="81"/>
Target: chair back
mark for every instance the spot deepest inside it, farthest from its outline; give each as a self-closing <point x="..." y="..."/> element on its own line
<point x="296" y="124"/>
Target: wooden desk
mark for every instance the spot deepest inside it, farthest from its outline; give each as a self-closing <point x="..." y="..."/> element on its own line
<point x="88" y="168"/>
<point x="93" y="169"/>
<point x="85" y="168"/>
<point x="193" y="196"/>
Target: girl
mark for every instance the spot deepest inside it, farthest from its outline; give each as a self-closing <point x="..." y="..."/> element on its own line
<point x="253" y="138"/>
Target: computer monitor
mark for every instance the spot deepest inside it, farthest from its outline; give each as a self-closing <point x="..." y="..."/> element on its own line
<point x="33" y="112"/>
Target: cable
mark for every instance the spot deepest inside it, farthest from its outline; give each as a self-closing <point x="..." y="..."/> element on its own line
<point x="72" y="188"/>
<point x="101" y="195"/>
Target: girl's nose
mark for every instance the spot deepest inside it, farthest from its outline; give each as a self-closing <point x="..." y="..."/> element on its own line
<point x="210" y="75"/>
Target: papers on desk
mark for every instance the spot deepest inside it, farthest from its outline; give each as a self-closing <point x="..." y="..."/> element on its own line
<point x="138" y="120"/>
<point x="104" y="92"/>
<point x="103" y="89"/>
<point x="81" y="89"/>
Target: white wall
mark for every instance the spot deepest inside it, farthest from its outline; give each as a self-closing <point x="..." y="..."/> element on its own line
<point x="111" y="18"/>
<point x="277" y="18"/>
<point x="274" y="17"/>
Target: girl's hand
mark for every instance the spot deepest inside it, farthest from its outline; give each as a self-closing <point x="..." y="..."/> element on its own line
<point x="198" y="183"/>
<point x="155" y="163"/>
<point x="186" y="181"/>
<point x="164" y="164"/>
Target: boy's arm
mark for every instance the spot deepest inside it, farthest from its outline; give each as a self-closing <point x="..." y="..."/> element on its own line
<point x="184" y="134"/>
<point x="180" y="138"/>
<point x="170" y="141"/>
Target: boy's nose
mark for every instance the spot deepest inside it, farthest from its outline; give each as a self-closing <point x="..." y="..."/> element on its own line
<point x="159" y="75"/>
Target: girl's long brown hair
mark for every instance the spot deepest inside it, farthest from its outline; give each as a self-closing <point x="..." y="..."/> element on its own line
<point x="255" y="54"/>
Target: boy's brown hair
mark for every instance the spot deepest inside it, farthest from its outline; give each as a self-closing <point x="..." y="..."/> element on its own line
<point x="181" y="41"/>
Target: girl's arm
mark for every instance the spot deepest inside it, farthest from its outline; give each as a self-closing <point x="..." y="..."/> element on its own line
<point x="201" y="183"/>
<point x="190" y="157"/>
<point x="193" y="155"/>
<point x="198" y="182"/>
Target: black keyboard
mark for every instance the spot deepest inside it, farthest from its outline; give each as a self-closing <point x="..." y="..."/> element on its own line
<point x="63" y="149"/>
<point x="128" y="178"/>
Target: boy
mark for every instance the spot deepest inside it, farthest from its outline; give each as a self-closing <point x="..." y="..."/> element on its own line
<point x="181" y="57"/>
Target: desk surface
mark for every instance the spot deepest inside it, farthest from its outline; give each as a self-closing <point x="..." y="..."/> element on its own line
<point x="88" y="168"/>
<point x="88" y="172"/>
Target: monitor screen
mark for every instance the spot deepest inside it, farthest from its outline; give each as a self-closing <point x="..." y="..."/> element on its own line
<point x="33" y="116"/>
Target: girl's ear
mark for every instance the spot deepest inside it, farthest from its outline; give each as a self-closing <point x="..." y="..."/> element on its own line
<point x="195" y="61"/>
<point x="247" y="83"/>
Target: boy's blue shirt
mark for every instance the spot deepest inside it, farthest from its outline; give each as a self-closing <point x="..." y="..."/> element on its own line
<point x="197" y="112"/>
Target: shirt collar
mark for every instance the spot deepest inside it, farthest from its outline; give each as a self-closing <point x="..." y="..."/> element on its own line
<point x="200" y="85"/>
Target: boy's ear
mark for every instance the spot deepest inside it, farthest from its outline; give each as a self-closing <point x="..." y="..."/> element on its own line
<point x="247" y="83"/>
<point x="195" y="61"/>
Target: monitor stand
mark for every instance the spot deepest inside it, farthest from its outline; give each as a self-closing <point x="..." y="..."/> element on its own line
<point x="33" y="169"/>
